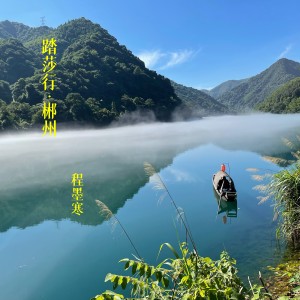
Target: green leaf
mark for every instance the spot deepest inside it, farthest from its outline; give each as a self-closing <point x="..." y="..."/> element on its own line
<point x="108" y="295"/>
<point x="116" y="282"/>
<point x="139" y="265"/>
<point x="149" y="271"/>
<point x="296" y="289"/>
<point x="120" y="280"/>
<point x="110" y="277"/>
<point x="165" y="281"/>
<point x="142" y="270"/>
<point x="124" y="283"/>
<point x="202" y="293"/>
<point x="134" y="268"/>
<point x="207" y="260"/>
<point x="158" y="275"/>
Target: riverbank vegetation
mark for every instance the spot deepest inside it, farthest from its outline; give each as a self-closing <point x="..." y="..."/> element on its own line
<point x="285" y="281"/>
<point x="186" y="276"/>
<point x="284" y="189"/>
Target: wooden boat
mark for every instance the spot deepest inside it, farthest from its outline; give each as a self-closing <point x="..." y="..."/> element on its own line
<point x="224" y="186"/>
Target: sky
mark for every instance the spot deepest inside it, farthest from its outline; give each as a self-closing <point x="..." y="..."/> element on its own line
<point x="198" y="43"/>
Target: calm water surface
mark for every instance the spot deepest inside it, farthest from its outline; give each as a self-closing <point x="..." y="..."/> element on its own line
<point x="46" y="252"/>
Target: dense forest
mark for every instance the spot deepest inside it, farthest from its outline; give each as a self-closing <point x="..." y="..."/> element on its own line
<point x="197" y="102"/>
<point x="285" y="99"/>
<point x="96" y="79"/>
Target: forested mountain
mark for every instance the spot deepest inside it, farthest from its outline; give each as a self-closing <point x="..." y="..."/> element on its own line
<point x="16" y="61"/>
<point x="285" y="99"/>
<point x="256" y="89"/>
<point x="96" y="79"/>
<point x="22" y="32"/>
<point x="224" y="87"/>
<point x="198" y="102"/>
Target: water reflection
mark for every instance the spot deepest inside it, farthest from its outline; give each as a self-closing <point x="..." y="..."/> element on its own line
<point x="226" y="209"/>
<point x="36" y="172"/>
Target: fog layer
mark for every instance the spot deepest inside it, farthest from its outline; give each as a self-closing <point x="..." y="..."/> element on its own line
<point x="31" y="159"/>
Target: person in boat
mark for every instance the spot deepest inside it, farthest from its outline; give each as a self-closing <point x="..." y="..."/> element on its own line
<point x="223" y="184"/>
<point x="231" y="186"/>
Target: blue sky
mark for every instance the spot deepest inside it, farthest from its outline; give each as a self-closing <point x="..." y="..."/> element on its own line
<point x="198" y="43"/>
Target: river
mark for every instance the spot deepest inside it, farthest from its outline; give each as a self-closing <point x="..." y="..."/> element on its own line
<point x="46" y="252"/>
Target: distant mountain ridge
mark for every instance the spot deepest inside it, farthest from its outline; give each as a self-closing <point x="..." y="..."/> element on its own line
<point x="198" y="102"/>
<point x="256" y="89"/>
<point x="224" y="87"/>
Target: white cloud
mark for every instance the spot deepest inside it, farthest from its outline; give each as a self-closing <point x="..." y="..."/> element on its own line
<point x="181" y="175"/>
<point x="285" y="52"/>
<point x="176" y="58"/>
<point x="150" y="58"/>
<point x="164" y="60"/>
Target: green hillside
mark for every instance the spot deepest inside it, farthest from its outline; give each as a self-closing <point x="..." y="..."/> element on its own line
<point x="97" y="80"/>
<point x="198" y="102"/>
<point x="16" y="61"/>
<point x="285" y="99"/>
<point x="256" y="89"/>
<point x="22" y="32"/>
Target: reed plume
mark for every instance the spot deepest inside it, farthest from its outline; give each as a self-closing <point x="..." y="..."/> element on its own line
<point x="108" y="214"/>
<point x="260" y="187"/>
<point x="263" y="199"/>
<point x="104" y="210"/>
<point x="160" y="185"/>
<point x="258" y="177"/>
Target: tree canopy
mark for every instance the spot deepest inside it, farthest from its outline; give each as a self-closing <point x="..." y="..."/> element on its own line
<point x="285" y="99"/>
<point x="96" y="79"/>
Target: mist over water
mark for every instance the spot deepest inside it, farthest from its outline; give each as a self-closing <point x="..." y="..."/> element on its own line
<point x="31" y="159"/>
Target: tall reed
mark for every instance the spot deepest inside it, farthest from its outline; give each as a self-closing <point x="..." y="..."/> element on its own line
<point x="284" y="188"/>
<point x="108" y="214"/>
<point x="160" y="185"/>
